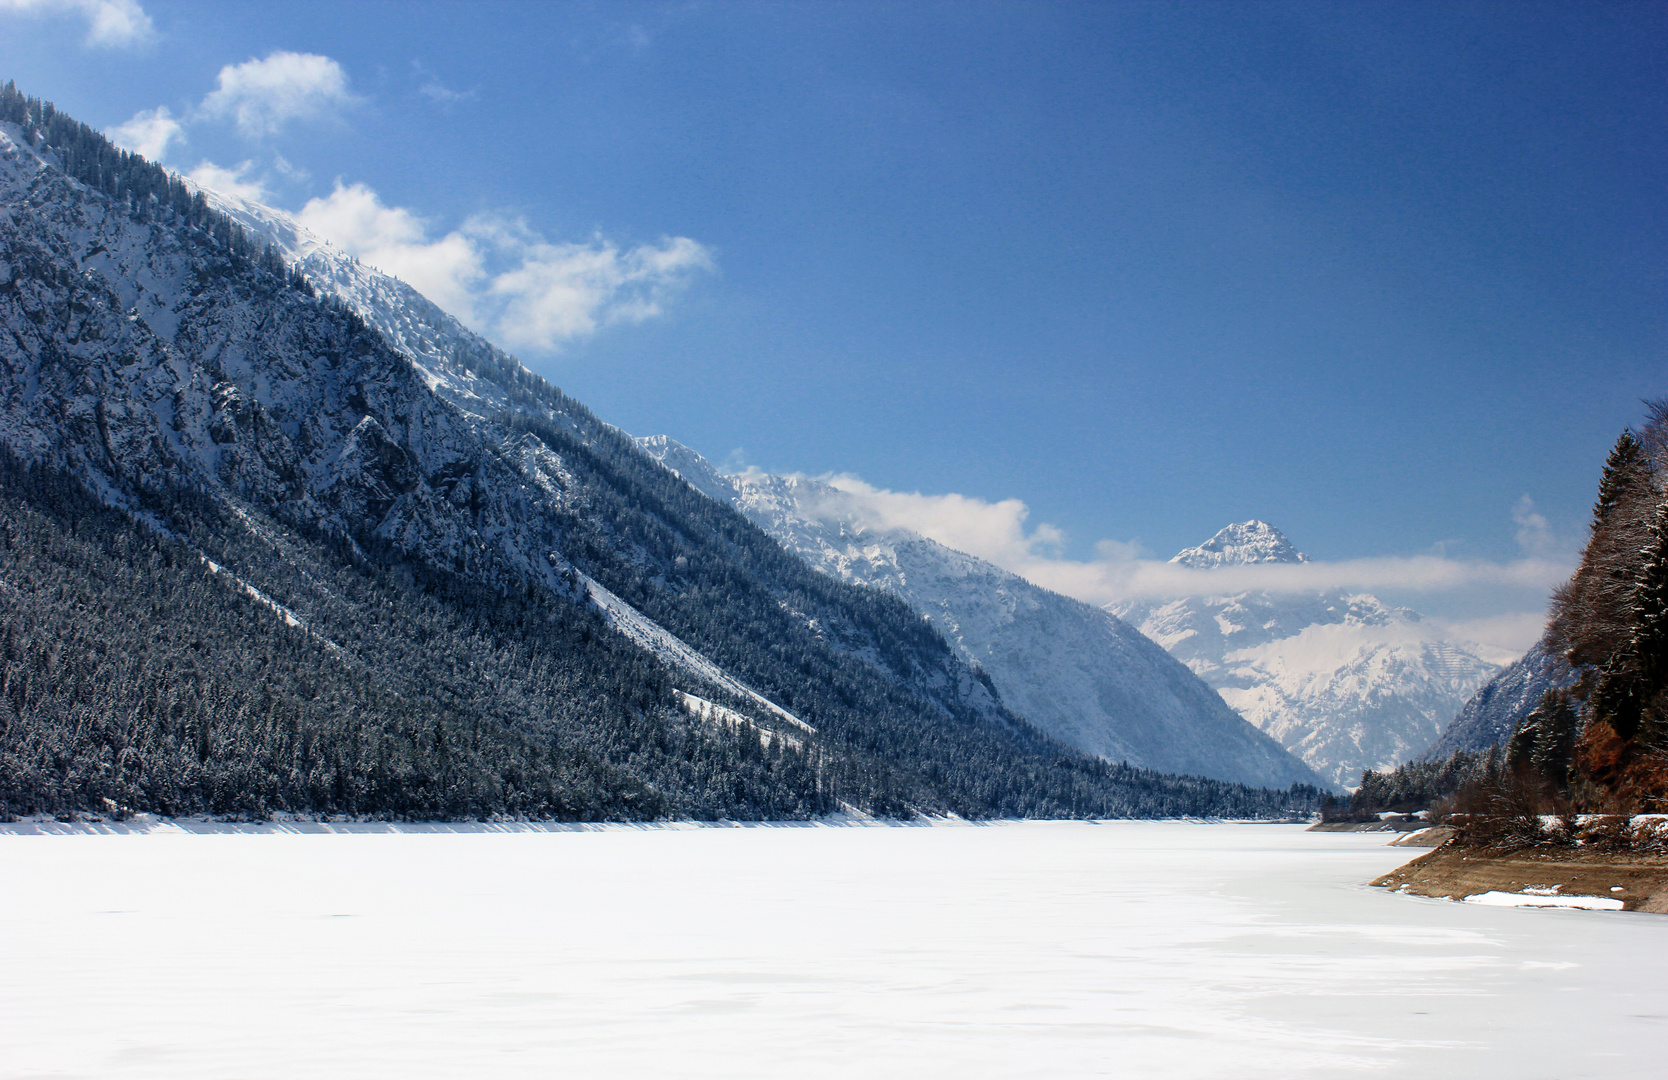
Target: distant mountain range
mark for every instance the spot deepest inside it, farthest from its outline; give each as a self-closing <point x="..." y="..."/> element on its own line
<point x="1343" y="681"/>
<point x="277" y="533"/>
<point x="1079" y="673"/>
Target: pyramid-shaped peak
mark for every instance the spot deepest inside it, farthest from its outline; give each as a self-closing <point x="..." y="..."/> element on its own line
<point x="1241" y="544"/>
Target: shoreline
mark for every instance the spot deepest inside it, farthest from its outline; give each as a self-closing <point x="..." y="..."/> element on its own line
<point x="1613" y="881"/>
<point x="305" y="825"/>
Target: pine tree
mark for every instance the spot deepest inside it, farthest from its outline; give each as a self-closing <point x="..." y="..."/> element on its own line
<point x="1593" y="619"/>
<point x="1622" y="471"/>
<point x="1650" y="643"/>
<point x="1543" y="741"/>
<point x="1636" y="672"/>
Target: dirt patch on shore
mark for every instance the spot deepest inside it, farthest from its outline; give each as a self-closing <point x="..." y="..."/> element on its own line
<point x="1640" y="882"/>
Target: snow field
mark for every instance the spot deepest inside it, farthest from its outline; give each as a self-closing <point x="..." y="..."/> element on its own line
<point x="1031" y="949"/>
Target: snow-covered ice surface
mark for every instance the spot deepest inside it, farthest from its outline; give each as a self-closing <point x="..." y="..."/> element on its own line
<point x="1038" y="949"/>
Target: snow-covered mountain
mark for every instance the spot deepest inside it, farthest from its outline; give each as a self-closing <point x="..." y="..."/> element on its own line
<point x="1114" y="694"/>
<point x="456" y="363"/>
<point x="286" y="536"/>
<point x="1079" y="673"/>
<point x="1493" y="712"/>
<point x="1343" y="681"/>
<point x="1243" y="544"/>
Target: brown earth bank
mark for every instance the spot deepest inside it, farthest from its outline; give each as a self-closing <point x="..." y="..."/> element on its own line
<point x="1456" y="873"/>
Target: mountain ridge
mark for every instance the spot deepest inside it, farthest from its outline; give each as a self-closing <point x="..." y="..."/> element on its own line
<point x="1489" y="716"/>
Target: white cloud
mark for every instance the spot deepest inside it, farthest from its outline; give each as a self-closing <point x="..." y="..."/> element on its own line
<point x="111" y="24"/>
<point x="233" y="181"/>
<point x="261" y="96"/>
<point x="560" y="291"/>
<point x="448" y="271"/>
<point x="1001" y="533"/>
<point x="293" y="172"/>
<point x="994" y="531"/>
<point x="436" y="91"/>
<point x="1110" y="580"/>
<point x="148" y="133"/>
<point x="1534" y="534"/>
<point x="502" y="279"/>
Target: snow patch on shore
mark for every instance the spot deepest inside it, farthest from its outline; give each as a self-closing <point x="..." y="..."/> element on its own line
<point x="1539" y="898"/>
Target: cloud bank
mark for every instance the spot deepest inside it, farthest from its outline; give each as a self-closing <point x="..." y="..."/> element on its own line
<point x="500" y="277"/>
<point x="1000" y="532"/>
<point x="111" y="24"/>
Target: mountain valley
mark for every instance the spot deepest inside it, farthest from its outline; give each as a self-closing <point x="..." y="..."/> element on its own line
<point x="1081" y="674"/>
<point x="285" y="536"/>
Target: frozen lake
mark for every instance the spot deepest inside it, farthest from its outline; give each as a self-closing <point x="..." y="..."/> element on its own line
<point x="1035" y="949"/>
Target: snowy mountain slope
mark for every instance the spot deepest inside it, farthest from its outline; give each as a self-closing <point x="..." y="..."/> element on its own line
<point x="1493" y="712"/>
<point x="441" y="528"/>
<point x="1343" y="681"/>
<point x="676" y="653"/>
<point x="1082" y="675"/>
<point x="455" y="362"/>
<point x="195" y="381"/>
<point x="167" y="368"/>
<point x="486" y="385"/>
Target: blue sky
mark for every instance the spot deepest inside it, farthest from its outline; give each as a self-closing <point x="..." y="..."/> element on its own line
<point x="1111" y="275"/>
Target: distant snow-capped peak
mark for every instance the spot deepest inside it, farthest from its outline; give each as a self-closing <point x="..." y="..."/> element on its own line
<point x="1344" y="681"/>
<point x="1240" y="544"/>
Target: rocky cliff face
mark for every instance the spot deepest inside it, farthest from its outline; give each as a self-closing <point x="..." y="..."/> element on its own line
<point x="1079" y="673"/>
<point x="1343" y="681"/>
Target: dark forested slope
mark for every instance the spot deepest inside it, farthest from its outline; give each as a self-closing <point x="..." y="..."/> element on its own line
<point x="1494" y="711"/>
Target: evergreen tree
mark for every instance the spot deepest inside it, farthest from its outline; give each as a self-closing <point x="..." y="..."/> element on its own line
<point x="1650" y="643"/>
<point x="1543" y="741"/>
<point x="1633" y="675"/>
<point x="1593" y="615"/>
<point x="1622" y="470"/>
